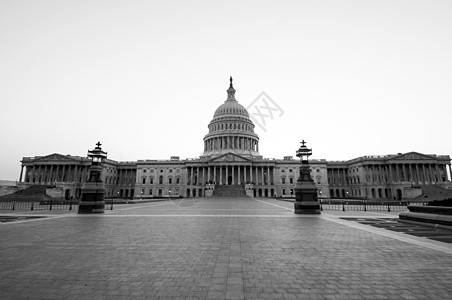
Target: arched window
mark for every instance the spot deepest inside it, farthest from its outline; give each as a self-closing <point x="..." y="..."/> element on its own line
<point x="160" y="179"/>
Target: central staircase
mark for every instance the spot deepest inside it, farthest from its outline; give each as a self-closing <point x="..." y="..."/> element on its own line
<point x="229" y="191"/>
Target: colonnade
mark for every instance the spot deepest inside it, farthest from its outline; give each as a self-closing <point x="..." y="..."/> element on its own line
<point x="419" y="173"/>
<point x="231" y="142"/>
<point x="230" y="174"/>
<point x="49" y="173"/>
<point x="416" y="173"/>
<point x="126" y="176"/>
<point x="337" y="176"/>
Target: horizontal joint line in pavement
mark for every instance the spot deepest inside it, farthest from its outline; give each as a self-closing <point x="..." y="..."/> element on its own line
<point x="184" y="216"/>
<point x="291" y="209"/>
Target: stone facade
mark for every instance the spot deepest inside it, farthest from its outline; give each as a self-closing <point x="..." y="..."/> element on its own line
<point x="231" y="157"/>
<point x="388" y="177"/>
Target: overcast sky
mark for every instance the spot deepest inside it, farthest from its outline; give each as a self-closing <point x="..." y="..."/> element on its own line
<point x="352" y="78"/>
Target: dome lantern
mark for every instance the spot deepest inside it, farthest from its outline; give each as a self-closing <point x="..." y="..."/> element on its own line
<point x="231" y="91"/>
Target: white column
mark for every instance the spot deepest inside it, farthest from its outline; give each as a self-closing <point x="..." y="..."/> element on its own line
<point x="63" y="172"/>
<point x="233" y="175"/>
<point x="208" y="173"/>
<point x="238" y="175"/>
<point x="424" y="173"/>
<point x="192" y="175"/>
<point x="270" y="176"/>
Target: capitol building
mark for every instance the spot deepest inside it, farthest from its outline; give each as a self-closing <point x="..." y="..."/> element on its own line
<point x="232" y="166"/>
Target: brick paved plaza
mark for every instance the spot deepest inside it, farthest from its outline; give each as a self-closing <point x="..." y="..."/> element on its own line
<point x="217" y="249"/>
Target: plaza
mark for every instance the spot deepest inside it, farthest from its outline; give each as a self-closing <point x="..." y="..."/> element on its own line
<point x="218" y="248"/>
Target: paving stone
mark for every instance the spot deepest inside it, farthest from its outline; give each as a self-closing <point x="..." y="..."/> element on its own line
<point x="217" y="249"/>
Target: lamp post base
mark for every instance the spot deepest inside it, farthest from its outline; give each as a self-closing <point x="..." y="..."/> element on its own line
<point x="307" y="207"/>
<point x="92" y="201"/>
<point x="91" y="207"/>
<point x="306" y="201"/>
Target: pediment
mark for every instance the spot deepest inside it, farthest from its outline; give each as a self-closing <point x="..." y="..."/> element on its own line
<point x="230" y="157"/>
<point x="56" y="157"/>
<point x="412" y="156"/>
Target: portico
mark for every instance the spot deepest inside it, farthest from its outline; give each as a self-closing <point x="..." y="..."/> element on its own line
<point x="230" y="174"/>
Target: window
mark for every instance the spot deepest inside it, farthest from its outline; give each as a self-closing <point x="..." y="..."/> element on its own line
<point x="177" y="180"/>
<point x="283" y="180"/>
<point x="170" y="180"/>
<point x="290" y="170"/>
<point x="284" y="191"/>
<point x="291" y="180"/>
<point x="151" y="180"/>
<point x="144" y="180"/>
<point x="171" y="170"/>
<point x="144" y="170"/>
<point x="150" y="192"/>
<point x="160" y="179"/>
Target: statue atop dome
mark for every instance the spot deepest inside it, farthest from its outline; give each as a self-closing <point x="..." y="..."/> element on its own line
<point x="231" y="91"/>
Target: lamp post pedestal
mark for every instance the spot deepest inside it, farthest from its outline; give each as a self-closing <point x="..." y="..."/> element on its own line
<point x="93" y="191"/>
<point x="306" y="199"/>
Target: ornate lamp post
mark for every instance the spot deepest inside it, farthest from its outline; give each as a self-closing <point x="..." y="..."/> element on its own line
<point x="306" y="200"/>
<point x="94" y="190"/>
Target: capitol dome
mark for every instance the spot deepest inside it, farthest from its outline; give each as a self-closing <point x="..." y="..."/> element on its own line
<point x="231" y="130"/>
<point x="231" y="107"/>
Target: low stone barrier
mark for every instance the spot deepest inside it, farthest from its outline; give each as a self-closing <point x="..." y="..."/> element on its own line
<point x="437" y="215"/>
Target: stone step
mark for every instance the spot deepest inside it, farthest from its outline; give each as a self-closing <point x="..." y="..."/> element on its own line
<point x="229" y="191"/>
